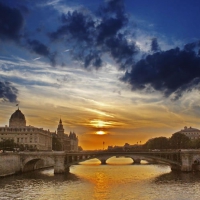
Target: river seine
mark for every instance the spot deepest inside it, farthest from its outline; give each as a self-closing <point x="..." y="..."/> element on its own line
<point x="118" y="180"/>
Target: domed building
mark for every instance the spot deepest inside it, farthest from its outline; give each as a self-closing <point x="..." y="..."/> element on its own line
<point x="192" y="133"/>
<point x="17" y="119"/>
<point x="29" y="136"/>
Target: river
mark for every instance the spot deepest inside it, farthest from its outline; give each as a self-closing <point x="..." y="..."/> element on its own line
<point x="118" y="180"/>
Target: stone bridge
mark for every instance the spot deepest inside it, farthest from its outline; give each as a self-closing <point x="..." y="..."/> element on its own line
<point x="184" y="160"/>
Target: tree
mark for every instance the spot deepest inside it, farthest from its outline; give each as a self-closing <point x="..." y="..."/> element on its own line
<point x="7" y="144"/>
<point x="157" y="143"/>
<point x="195" y="144"/>
<point x="80" y="148"/>
<point x="179" y="140"/>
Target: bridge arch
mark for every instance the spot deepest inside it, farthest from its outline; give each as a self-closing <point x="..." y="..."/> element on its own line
<point x="171" y="160"/>
<point x="103" y="158"/>
<point x="31" y="165"/>
<point x="34" y="163"/>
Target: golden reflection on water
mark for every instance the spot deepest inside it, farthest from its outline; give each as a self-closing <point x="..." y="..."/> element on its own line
<point x="93" y="161"/>
<point x="114" y="177"/>
<point x="102" y="184"/>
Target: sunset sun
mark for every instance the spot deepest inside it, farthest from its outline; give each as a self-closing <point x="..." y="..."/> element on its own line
<point x="99" y="125"/>
<point x="100" y="132"/>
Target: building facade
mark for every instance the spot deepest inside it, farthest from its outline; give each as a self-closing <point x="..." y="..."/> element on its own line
<point x="192" y="133"/>
<point x="68" y="142"/>
<point x="28" y="136"/>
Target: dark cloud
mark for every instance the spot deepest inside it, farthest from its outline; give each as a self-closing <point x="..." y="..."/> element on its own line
<point x="194" y="46"/>
<point x="87" y="36"/>
<point x="90" y="37"/>
<point x="154" y="45"/>
<point x="41" y="49"/>
<point x="8" y="92"/>
<point x="170" y="72"/>
<point x="112" y="6"/>
<point x="78" y="32"/>
<point x="121" y="50"/>
<point x="11" y="22"/>
<point x="111" y="34"/>
<point x="38" y="47"/>
<point x="76" y="25"/>
<point x="94" y="59"/>
<point x="113" y="19"/>
<point x="89" y="57"/>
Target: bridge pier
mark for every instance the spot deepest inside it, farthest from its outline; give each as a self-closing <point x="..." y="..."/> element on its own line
<point x="136" y="161"/>
<point x="103" y="161"/>
<point x="60" y="166"/>
<point x="175" y="167"/>
<point x="187" y="161"/>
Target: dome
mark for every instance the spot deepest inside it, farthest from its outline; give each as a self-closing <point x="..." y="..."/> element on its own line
<point x="17" y="119"/>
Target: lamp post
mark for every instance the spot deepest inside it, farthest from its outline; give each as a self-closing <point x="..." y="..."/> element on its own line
<point x="103" y="145"/>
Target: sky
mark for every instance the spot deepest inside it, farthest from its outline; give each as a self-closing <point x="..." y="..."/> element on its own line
<point x="114" y="71"/>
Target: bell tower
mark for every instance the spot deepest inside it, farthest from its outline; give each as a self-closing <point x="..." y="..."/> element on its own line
<point x="60" y="129"/>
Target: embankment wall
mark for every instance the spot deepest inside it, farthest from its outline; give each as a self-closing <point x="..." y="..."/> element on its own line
<point x="9" y="164"/>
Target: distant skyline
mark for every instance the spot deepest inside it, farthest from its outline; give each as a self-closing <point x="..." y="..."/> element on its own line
<point x="114" y="71"/>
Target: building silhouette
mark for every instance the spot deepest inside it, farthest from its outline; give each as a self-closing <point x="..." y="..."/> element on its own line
<point x="192" y="133"/>
<point x="31" y="137"/>
<point x="68" y="142"/>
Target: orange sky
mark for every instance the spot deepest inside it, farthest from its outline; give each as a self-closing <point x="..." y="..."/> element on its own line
<point x="95" y="122"/>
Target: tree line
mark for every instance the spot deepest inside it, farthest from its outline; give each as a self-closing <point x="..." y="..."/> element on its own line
<point x="10" y="145"/>
<point x="176" y="141"/>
